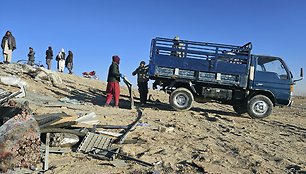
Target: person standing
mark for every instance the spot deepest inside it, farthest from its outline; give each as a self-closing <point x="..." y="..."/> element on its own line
<point x="31" y="56"/>
<point x="69" y="61"/>
<point x="60" y="58"/>
<point x="176" y="46"/>
<point x="142" y="82"/>
<point x="8" y="45"/>
<point x="49" y="57"/>
<point x="113" y="79"/>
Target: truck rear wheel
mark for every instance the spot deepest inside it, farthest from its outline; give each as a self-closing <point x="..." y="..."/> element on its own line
<point x="239" y="109"/>
<point x="181" y="99"/>
<point x="259" y="106"/>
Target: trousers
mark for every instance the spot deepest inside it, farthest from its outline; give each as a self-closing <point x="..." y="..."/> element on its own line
<point x="143" y="91"/>
<point x="61" y="65"/>
<point x="112" y="90"/>
<point x="49" y="63"/>
<point x="8" y="56"/>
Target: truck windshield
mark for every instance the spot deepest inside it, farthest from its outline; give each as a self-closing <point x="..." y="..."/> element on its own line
<point x="272" y="64"/>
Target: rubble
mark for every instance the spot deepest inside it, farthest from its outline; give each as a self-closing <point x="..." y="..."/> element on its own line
<point x="45" y="74"/>
<point x="71" y="101"/>
<point x="15" y="81"/>
<point x="19" y="142"/>
<point x="63" y="140"/>
<point x="90" y="119"/>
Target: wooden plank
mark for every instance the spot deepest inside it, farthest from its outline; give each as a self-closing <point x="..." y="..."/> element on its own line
<point x="106" y="144"/>
<point x="88" y="139"/>
<point x="97" y="141"/>
<point x="65" y="119"/>
<point x="91" y="142"/>
<point x="102" y="142"/>
<point x="46" y="165"/>
<point x="81" y="146"/>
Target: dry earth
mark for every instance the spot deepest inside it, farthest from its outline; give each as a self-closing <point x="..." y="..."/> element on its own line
<point x="208" y="138"/>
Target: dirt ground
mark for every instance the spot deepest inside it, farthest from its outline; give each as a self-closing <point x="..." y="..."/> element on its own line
<point x="209" y="138"/>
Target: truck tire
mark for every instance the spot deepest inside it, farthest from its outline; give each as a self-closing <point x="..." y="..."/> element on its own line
<point x="181" y="99"/>
<point x="239" y="109"/>
<point x="259" y="106"/>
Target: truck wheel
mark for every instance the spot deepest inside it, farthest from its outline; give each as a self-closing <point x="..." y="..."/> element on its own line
<point x="240" y="109"/>
<point x="181" y="99"/>
<point x="259" y="106"/>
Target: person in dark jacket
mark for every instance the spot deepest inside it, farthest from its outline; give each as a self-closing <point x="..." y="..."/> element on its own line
<point x="113" y="79"/>
<point x="8" y="45"/>
<point x="142" y="82"/>
<point x="31" y="56"/>
<point x="69" y="62"/>
<point x="49" y="57"/>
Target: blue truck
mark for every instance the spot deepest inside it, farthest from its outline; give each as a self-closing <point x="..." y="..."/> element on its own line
<point x="199" y="71"/>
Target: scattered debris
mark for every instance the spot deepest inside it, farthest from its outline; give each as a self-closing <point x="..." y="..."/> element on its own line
<point x="71" y="101"/>
<point x="46" y="159"/>
<point x="129" y="86"/>
<point x="15" y="81"/>
<point x="6" y="96"/>
<point x="131" y="127"/>
<point x="111" y="126"/>
<point x="44" y="74"/>
<point x="90" y="119"/>
<point x="127" y="157"/>
<point x="63" y="140"/>
<point x="118" y="163"/>
<point x="295" y="169"/>
<point x="143" y="124"/>
<point x="90" y="75"/>
<point x="113" y="134"/>
<point x="93" y="140"/>
<point x="58" y="150"/>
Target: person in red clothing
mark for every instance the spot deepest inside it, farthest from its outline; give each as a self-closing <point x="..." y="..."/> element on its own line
<point x="113" y="79"/>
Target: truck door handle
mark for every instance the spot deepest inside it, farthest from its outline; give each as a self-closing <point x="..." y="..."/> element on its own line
<point x="259" y="84"/>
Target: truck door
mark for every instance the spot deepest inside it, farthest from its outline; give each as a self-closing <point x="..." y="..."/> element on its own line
<point x="271" y="74"/>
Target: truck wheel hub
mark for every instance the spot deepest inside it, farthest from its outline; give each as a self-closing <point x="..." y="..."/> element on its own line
<point x="181" y="99"/>
<point x="260" y="107"/>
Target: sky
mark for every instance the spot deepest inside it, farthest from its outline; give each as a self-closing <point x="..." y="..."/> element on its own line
<point x="94" y="30"/>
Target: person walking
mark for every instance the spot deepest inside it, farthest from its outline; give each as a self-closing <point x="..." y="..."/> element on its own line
<point x="49" y="57"/>
<point x="113" y="79"/>
<point x="142" y="82"/>
<point x="8" y="45"/>
<point x="31" y="57"/>
<point x="69" y="61"/>
<point x="60" y="58"/>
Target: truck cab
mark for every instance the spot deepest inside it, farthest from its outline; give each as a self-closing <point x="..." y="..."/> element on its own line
<point x="272" y="75"/>
<point x="200" y="71"/>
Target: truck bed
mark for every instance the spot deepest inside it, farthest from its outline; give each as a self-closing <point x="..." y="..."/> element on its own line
<point x="200" y="62"/>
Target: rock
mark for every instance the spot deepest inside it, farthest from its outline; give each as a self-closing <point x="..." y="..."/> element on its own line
<point x="44" y="74"/>
<point x="170" y="129"/>
<point x="19" y="142"/>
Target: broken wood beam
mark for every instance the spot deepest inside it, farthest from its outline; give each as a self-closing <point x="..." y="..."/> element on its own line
<point x="128" y="157"/>
<point x="46" y="160"/>
<point x="111" y="126"/>
<point x="59" y="130"/>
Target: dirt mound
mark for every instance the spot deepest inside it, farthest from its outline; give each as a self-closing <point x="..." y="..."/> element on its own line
<point x="209" y="138"/>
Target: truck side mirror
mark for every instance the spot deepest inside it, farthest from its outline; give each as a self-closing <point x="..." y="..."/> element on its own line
<point x="301" y="76"/>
